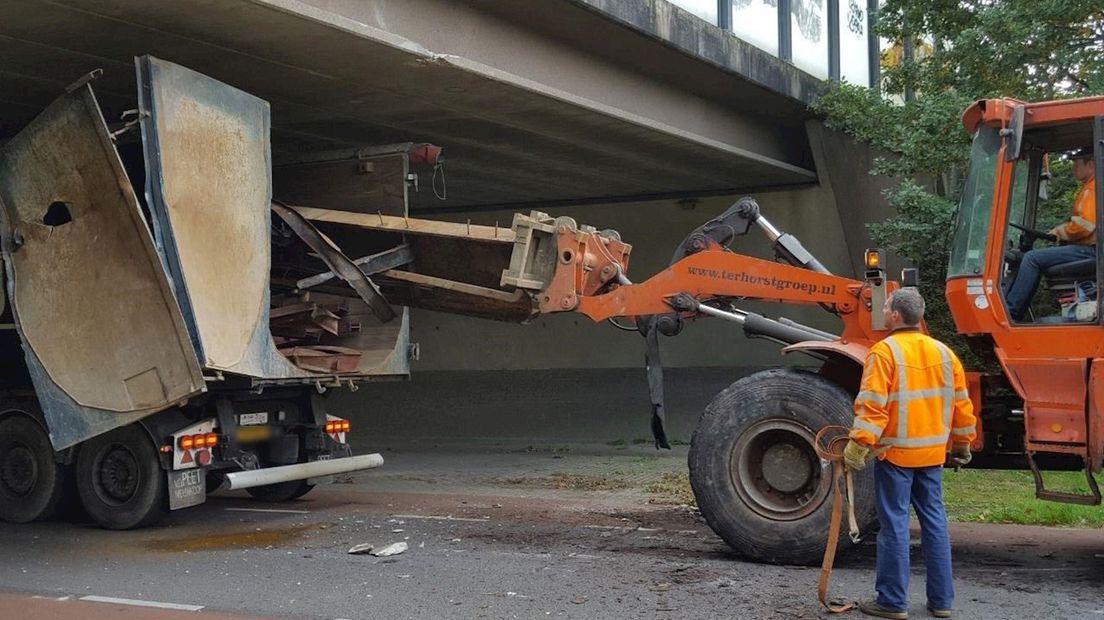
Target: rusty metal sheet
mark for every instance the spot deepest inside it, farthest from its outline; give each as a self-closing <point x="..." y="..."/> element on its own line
<point x="340" y="265"/>
<point x="104" y="339"/>
<point x="209" y="185"/>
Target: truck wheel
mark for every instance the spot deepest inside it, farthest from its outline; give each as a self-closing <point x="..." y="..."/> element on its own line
<point x="32" y="483"/>
<point x="754" y="472"/>
<point x="281" y="491"/>
<point x="119" y="479"/>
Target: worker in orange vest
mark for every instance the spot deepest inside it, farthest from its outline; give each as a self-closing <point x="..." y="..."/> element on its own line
<point x="912" y="399"/>
<point x="1077" y="237"/>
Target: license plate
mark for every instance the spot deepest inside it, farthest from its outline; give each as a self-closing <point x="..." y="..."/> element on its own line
<point x="187" y="487"/>
<point x="254" y="434"/>
<point x="247" y="419"/>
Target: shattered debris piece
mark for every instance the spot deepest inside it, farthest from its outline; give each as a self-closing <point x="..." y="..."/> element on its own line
<point x="360" y="549"/>
<point x="392" y="549"/>
<point x="324" y="359"/>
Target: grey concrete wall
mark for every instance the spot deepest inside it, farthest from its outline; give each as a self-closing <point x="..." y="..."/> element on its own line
<point x="587" y="405"/>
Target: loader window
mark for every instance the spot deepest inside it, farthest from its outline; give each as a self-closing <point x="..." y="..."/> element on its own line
<point x="972" y="224"/>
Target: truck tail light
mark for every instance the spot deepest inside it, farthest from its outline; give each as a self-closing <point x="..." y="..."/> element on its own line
<point x="338" y="426"/>
<point x="200" y="440"/>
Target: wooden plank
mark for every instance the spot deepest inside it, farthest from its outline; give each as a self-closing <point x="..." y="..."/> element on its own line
<point x="408" y="225"/>
<point x="452" y="285"/>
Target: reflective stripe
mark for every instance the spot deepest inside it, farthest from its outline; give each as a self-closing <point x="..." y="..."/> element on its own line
<point x="962" y="395"/>
<point x="948" y="383"/>
<point x="902" y="387"/>
<point x="863" y="425"/>
<point x="917" y="394"/>
<point x="964" y="430"/>
<point x="1083" y="223"/>
<point x="902" y="395"/>
<point x="915" y="442"/>
<point x="874" y="397"/>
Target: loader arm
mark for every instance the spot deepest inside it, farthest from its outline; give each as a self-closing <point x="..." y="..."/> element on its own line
<point x="589" y="279"/>
<point x="546" y="265"/>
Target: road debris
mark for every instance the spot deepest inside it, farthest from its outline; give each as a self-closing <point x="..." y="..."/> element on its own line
<point x="360" y="549"/>
<point x="392" y="549"/>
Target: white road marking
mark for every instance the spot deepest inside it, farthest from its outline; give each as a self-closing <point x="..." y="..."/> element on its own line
<point x="137" y="603"/>
<point x="440" y="518"/>
<point x="273" y="510"/>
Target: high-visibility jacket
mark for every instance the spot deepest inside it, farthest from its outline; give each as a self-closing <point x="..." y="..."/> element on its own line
<point x="913" y="398"/>
<point x="1081" y="228"/>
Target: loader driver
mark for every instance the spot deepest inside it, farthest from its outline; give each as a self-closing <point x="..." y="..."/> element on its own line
<point x="1078" y="238"/>
<point x="912" y="399"/>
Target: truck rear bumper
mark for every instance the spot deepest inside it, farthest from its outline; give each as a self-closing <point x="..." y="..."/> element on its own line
<point x="301" y="471"/>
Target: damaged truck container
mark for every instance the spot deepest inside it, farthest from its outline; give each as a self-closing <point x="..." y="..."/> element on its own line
<point x="153" y="348"/>
<point x="171" y="328"/>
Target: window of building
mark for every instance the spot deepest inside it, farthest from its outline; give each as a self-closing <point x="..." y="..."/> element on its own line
<point x="756" y="21"/>
<point x="854" y="42"/>
<point x="705" y="9"/>
<point x="809" y="32"/>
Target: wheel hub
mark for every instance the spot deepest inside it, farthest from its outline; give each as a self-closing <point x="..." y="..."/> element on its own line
<point x="117" y="475"/>
<point x="18" y="470"/>
<point x="776" y="471"/>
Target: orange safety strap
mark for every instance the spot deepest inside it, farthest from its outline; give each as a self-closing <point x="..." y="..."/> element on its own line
<point x="832" y="451"/>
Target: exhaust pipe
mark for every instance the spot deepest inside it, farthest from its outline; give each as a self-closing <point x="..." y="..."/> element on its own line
<point x="301" y="471"/>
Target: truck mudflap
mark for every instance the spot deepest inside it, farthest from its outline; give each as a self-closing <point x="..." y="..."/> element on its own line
<point x="104" y="339"/>
<point x="301" y="471"/>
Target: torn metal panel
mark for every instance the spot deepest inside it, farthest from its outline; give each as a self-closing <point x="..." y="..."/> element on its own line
<point x="208" y="185"/>
<point x="368" y="265"/>
<point x="339" y="264"/>
<point x="104" y="338"/>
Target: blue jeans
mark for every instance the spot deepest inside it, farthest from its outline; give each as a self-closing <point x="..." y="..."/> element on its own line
<point x="1031" y="269"/>
<point x="895" y="487"/>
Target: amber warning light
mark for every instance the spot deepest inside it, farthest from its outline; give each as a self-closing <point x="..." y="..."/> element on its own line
<point x="875" y="259"/>
<point x="337" y="426"/>
<point x="201" y="440"/>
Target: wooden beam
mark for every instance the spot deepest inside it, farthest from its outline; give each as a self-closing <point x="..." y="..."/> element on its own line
<point x="408" y="225"/>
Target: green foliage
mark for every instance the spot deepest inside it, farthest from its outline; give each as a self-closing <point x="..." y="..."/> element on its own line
<point x="994" y="496"/>
<point x="964" y="50"/>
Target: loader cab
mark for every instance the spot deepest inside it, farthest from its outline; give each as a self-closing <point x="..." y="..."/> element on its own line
<point x="1020" y="186"/>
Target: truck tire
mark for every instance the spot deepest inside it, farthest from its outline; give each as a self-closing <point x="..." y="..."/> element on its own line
<point x="32" y="483"/>
<point x="281" y="491"/>
<point x="120" y="480"/>
<point x="754" y="472"/>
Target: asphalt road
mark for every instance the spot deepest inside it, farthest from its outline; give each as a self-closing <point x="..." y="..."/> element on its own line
<point x="491" y="536"/>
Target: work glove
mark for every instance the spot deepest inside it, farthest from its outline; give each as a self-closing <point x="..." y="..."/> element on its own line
<point x="960" y="455"/>
<point x="854" y="455"/>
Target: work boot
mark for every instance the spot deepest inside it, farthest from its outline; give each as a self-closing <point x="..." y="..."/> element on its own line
<point x="874" y="608"/>
<point x="939" y="613"/>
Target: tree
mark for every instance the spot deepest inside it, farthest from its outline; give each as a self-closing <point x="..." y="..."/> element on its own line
<point x="963" y="50"/>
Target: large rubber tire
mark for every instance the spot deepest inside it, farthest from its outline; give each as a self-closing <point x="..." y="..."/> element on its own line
<point x="281" y="491"/>
<point x="120" y="480"/>
<point x="32" y="483"/>
<point x="755" y="474"/>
